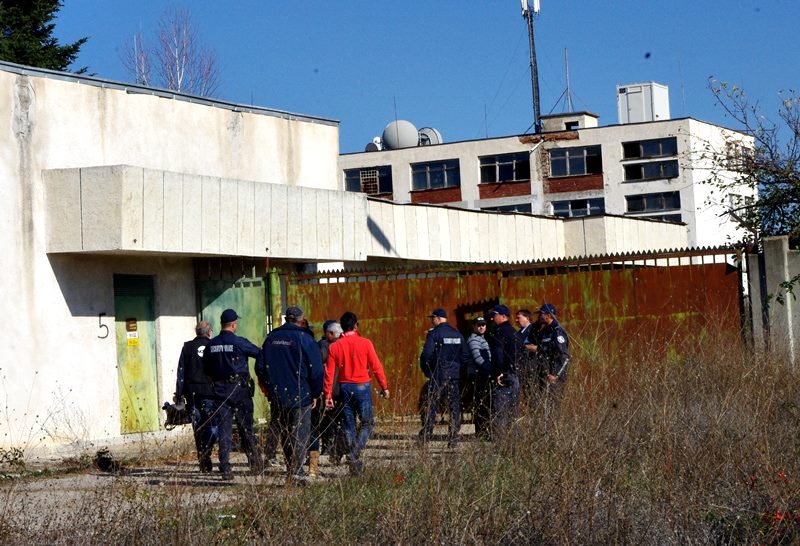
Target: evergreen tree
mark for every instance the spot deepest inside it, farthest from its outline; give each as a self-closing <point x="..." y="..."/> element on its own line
<point x="26" y="35"/>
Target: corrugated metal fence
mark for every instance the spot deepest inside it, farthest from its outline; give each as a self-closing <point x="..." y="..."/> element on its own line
<point x="615" y="305"/>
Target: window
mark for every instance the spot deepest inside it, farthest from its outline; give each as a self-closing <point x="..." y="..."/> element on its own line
<point x="579" y="207"/>
<point x="505" y="168"/>
<point x="519" y="207"/>
<point x="652" y="170"/>
<point x="739" y="202"/>
<point x="666" y="217"/>
<point x="653" y="202"/>
<point x="575" y="161"/>
<point x="369" y="180"/>
<point x="571" y="125"/>
<point x="643" y="149"/>
<point x="435" y="175"/>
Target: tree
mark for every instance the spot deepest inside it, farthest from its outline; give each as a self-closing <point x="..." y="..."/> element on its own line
<point x="771" y="166"/>
<point x="26" y="35"/>
<point x="180" y="62"/>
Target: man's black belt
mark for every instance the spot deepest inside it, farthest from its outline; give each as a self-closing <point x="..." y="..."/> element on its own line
<point x="233" y="380"/>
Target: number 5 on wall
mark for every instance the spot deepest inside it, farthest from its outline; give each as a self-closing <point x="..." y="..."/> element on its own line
<point x="101" y="325"/>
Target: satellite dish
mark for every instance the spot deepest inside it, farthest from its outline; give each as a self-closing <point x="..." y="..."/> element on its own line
<point x="400" y="134"/>
<point x="372" y="147"/>
<point x="428" y="136"/>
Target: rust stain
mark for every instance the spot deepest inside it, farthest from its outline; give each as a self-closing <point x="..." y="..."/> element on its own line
<point x="609" y="311"/>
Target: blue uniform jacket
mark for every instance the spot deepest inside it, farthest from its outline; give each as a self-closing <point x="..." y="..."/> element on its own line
<point x="504" y="345"/>
<point x="291" y="367"/>
<point x="226" y="356"/>
<point x="554" y="350"/>
<point x="444" y="353"/>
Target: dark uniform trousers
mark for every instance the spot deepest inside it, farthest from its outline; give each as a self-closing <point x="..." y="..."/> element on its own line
<point x="438" y="388"/>
<point x="235" y="403"/>
<point x="506" y="405"/>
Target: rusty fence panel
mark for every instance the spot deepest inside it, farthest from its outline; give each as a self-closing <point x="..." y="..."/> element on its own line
<point x="614" y="309"/>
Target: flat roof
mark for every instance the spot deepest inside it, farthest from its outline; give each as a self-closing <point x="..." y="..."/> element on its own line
<point x="132" y="88"/>
<point x="580" y="129"/>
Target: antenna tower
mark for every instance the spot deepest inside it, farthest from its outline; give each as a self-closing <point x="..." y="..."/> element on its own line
<point x="528" y="13"/>
<point x="569" y="89"/>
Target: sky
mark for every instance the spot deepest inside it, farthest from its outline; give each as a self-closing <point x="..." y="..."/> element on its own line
<point x="462" y="67"/>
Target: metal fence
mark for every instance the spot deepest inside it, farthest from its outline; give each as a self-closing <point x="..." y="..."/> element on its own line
<point x="612" y="306"/>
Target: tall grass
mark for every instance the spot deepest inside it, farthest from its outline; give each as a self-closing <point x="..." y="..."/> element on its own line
<point x="697" y="447"/>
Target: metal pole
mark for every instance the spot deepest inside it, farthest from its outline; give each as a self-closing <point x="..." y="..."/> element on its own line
<point x="537" y="125"/>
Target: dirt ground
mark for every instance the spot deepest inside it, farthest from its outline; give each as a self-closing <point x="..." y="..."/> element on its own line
<point x="44" y="498"/>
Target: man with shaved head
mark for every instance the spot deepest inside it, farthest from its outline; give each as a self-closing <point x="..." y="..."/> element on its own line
<point x="193" y="385"/>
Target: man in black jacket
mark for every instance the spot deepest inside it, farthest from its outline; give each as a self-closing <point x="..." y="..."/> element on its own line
<point x="443" y="356"/>
<point x="193" y="385"/>
<point x="505" y="350"/>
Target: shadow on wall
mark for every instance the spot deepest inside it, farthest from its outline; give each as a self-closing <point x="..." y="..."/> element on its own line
<point x="378" y="234"/>
<point x="87" y="282"/>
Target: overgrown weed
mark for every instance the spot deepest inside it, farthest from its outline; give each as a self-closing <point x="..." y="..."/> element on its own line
<point x="697" y="445"/>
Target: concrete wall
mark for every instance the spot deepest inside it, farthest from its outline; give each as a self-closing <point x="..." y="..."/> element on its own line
<point x="60" y="387"/>
<point x="780" y="265"/>
<point x="599" y="235"/>
<point x="704" y="160"/>
<point x="417" y="232"/>
<point x="131" y="209"/>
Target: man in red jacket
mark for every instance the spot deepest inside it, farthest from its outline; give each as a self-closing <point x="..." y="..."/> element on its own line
<point x="354" y="357"/>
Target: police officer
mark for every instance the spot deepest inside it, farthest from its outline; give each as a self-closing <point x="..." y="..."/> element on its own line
<point x="291" y="369"/>
<point x="444" y="354"/>
<point x="193" y="385"/>
<point x="225" y="362"/>
<point x="553" y="351"/>
<point x="505" y="350"/>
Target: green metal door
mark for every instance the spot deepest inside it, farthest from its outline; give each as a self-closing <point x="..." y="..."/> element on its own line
<point x="136" y="353"/>
<point x="248" y="297"/>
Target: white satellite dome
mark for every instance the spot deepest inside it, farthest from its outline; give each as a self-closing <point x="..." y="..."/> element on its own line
<point x="400" y="134"/>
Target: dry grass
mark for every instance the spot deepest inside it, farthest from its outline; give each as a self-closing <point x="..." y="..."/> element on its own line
<point x="700" y="448"/>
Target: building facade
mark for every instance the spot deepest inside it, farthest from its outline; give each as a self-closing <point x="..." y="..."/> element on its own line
<point x="659" y="170"/>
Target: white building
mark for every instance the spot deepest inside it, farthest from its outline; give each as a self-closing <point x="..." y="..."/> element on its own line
<point x="131" y="213"/>
<point x="658" y="169"/>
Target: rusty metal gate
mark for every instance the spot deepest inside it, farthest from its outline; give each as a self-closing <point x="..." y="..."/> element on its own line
<point x="612" y="307"/>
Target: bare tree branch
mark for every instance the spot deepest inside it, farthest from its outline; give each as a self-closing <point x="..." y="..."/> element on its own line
<point x="136" y="60"/>
<point x="772" y="166"/>
<point x="181" y="62"/>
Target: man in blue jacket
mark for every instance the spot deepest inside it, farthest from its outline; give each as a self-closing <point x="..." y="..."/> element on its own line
<point x="291" y="371"/>
<point x="225" y="363"/>
<point x="444" y="354"/>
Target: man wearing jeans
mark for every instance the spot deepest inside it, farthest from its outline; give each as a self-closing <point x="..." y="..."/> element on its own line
<point x="291" y="372"/>
<point x="354" y="357"/>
